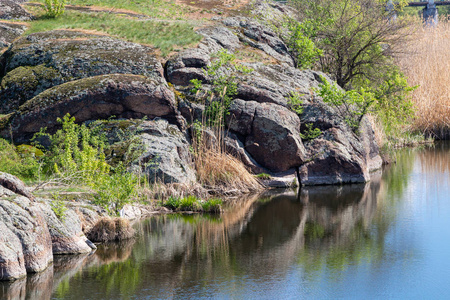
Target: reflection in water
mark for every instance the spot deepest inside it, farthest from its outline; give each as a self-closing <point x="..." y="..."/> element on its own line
<point x="269" y="243"/>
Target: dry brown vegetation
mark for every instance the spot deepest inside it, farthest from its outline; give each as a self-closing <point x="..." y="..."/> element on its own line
<point x="217" y="170"/>
<point x="426" y="63"/>
<point x="110" y="229"/>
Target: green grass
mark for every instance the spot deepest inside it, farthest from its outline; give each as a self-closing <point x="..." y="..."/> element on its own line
<point x="264" y="176"/>
<point x="163" y="35"/>
<point x="192" y="203"/>
<point x="154" y="8"/>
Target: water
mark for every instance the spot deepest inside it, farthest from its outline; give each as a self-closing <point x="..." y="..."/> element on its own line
<point x="389" y="238"/>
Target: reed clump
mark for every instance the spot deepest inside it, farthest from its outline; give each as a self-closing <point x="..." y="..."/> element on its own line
<point x="110" y="229"/>
<point x="425" y="63"/>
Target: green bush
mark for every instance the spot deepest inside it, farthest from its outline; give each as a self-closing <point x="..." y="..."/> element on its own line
<point x="310" y="133"/>
<point x="295" y="103"/>
<point x="58" y="207"/>
<point x="351" y="105"/>
<point x="115" y="190"/>
<point x="22" y="161"/>
<point x="54" y="8"/>
<point x="192" y="203"/>
<point x="305" y="52"/>
<point x="222" y="72"/>
<point x="76" y="152"/>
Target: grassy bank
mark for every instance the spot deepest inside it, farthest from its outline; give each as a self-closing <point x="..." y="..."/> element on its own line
<point x="425" y="62"/>
<point x="164" y="34"/>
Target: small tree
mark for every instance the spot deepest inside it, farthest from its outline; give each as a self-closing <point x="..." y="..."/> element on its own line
<point x="357" y="38"/>
<point x="54" y="8"/>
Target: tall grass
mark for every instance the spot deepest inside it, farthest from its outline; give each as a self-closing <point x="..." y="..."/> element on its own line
<point x="217" y="170"/>
<point x="426" y="63"/>
<point x="163" y="35"/>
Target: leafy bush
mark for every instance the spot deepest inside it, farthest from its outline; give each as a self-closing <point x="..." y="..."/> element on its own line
<point x="310" y="133"/>
<point x="76" y="152"/>
<point x="351" y="105"/>
<point x="115" y="190"/>
<point x="58" y="207"/>
<point x="22" y="161"/>
<point x="305" y="52"/>
<point x="295" y="103"/>
<point x="54" y="8"/>
<point x="222" y="72"/>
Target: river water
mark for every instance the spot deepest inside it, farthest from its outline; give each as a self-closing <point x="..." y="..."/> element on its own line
<point x="389" y="238"/>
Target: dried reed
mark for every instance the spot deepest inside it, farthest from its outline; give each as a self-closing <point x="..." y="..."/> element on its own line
<point x="426" y="63"/>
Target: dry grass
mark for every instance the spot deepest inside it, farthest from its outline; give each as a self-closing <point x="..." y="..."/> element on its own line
<point x="110" y="229"/>
<point x="218" y="171"/>
<point x="224" y="173"/>
<point x="426" y="63"/>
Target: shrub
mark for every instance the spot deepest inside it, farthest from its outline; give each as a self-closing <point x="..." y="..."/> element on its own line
<point x="310" y="133"/>
<point x="351" y="105"/>
<point x="54" y="8"/>
<point x="295" y="103"/>
<point x="22" y="161"/>
<point x="58" y="207"/>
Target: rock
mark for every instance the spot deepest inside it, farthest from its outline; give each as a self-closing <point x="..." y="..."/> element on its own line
<point x="236" y="148"/>
<point x="11" y="10"/>
<point x="271" y="133"/>
<point x="27" y="233"/>
<point x="14" y="184"/>
<point x="370" y="146"/>
<point x="43" y="60"/>
<point x="66" y="233"/>
<point x="166" y="156"/>
<point x="9" y="32"/>
<point x="223" y="36"/>
<point x="275" y="83"/>
<point x="258" y="36"/>
<point x="99" y="97"/>
<point x="12" y="263"/>
<point x="186" y="66"/>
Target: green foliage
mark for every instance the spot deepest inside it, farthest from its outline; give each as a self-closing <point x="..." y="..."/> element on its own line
<point x="264" y="176"/>
<point x="76" y="152"/>
<point x="77" y="156"/>
<point x="295" y="103"/>
<point x="165" y="36"/>
<point x="305" y="51"/>
<point x="393" y="106"/>
<point x="58" y="207"/>
<point x="115" y="190"/>
<point x="23" y="161"/>
<point x="54" y="8"/>
<point x="310" y="133"/>
<point x="192" y="203"/>
<point x="351" y="105"/>
<point x="197" y="85"/>
<point x="222" y="72"/>
<point x="212" y="205"/>
<point x="352" y="36"/>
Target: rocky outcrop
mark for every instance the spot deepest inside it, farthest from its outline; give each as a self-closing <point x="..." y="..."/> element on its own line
<point x="271" y="133"/>
<point x="14" y="184"/>
<point x="93" y="98"/>
<point x="66" y="232"/>
<point x="11" y="10"/>
<point x="43" y="60"/>
<point x="166" y="155"/>
<point x="25" y="242"/>
<point x="9" y="32"/>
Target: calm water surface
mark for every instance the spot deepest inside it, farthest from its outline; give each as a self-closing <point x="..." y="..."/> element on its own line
<point x="389" y="238"/>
